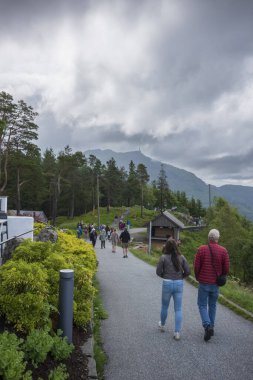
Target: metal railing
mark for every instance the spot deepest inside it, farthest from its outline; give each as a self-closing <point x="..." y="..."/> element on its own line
<point x="15" y="237"/>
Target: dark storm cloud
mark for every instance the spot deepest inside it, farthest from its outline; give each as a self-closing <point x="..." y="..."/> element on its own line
<point x="172" y="77"/>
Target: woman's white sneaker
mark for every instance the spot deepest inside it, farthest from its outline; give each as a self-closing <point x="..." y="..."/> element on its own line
<point x="176" y="336"/>
<point x="161" y="327"/>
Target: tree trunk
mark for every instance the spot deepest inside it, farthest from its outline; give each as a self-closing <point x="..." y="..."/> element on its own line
<point x="18" y="192"/>
<point x="55" y="201"/>
<point x="141" y="201"/>
<point x="5" y="173"/>
<point x="108" y="203"/>
<point x="72" y="204"/>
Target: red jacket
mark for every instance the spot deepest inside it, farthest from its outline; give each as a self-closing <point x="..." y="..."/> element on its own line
<point x="203" y="267"/>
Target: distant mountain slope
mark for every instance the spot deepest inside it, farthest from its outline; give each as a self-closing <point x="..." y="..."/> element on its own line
<point x="182" y="180"/>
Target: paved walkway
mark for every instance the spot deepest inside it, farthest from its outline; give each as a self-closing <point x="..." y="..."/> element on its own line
<point x="137" y="350"/>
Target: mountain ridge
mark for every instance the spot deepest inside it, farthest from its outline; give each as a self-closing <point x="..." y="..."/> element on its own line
<point x="179" y="179"/>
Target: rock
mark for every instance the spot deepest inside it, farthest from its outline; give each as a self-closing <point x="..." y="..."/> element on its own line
<point x="47" y="234"/>
<point x="9" y="248"/>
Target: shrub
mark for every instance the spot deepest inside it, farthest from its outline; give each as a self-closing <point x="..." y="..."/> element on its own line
<point x="53" y="264"/>
<point x="12" y="363"/>
<point x="32" y="251"/>
<point x="23" y="295"/>
<point x="37" y="346"/>
<point x="61" y="349"/>
<point x="59" y="373"/>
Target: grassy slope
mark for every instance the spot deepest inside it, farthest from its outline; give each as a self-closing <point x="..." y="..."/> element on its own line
<point x="108" y="218"/>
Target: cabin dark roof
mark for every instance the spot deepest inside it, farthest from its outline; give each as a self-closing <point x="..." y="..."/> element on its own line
<point x="170" y="217"/>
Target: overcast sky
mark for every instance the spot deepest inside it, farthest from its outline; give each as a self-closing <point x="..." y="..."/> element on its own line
<point x="171" y="77"/>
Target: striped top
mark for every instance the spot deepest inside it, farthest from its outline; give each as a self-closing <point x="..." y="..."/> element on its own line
<point x="203" y="267"/>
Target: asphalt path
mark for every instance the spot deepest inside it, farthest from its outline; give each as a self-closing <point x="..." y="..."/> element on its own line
<point x="137" y="350"/>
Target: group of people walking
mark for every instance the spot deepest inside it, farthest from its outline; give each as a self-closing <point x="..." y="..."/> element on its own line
<point x="105" y="233"/>
<point x="211" y="261"/>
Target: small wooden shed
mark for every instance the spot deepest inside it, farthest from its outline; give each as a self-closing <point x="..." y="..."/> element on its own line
<point x="165" y="225"/>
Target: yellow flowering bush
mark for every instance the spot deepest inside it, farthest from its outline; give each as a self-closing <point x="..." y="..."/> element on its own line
<point x="67" y="253"/>
<point x="24" y="294"/>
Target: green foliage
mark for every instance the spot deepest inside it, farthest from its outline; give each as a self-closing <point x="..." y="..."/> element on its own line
<point x="12" y="364"/>
<point x="28" y="376"/>
<point x="59" y="373"/>
<point x="23" y="294"/>
<point x="236" y="236"/>
<point x="99" y="314"/>
<point x="30" y="290"/>
<point x="32" y="252"/>
<point x="37" y="345"/>
<point x="108" y="217"/>
<point x="61" y="349"/>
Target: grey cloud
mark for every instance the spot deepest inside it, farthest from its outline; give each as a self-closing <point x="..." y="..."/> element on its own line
<point x="169" y="94"/>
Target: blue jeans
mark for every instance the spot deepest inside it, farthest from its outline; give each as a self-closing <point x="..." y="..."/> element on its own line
<point x="207" y="299"/>
<point x="172" y="288"/>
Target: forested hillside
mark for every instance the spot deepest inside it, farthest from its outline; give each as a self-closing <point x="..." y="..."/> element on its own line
<point x="182" y="180"/>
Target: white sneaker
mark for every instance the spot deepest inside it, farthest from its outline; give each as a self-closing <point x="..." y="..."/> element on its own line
<point x="176" y="336"/>
<point x="161" y="327"/>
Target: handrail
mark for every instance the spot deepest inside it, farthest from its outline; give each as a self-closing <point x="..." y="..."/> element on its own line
<point x="14" y="237"/>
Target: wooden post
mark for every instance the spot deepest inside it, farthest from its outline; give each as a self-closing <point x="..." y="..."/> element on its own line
<point x="149" y="238"/>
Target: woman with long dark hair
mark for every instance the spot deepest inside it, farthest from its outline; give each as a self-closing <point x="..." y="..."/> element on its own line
<point x="172" y="268"/>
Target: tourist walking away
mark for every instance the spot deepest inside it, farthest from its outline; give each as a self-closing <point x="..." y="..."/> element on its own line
<point x="172" y="268"/>
<point x="102" y="237"/>
<point x="93" y="236"/>
<point x="79" y="231"/>
<point x="125" y="239"/>
<point x="114" y="240"/>
<point x="211" y="262"/>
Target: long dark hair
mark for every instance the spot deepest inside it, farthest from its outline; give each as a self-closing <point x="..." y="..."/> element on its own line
<point x="171" y="248"/>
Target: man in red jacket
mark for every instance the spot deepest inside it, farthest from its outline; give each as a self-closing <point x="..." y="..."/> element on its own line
<point x="207" y="267"/>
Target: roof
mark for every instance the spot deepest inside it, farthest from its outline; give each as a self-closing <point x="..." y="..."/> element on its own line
<point x="171" y="218"/>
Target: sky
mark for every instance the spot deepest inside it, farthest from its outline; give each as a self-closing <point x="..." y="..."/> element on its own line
<point x="173" y="78"/>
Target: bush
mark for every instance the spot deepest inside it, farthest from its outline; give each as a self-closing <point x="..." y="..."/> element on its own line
<point x="32" y="252"/>
<point x="61" y="349"/>
<point x="59" y="373"/>
<point x="23" y="295"/>
<point x="31" y="281"/>
<point x="12" y="363"/>
<point x="37" y="346"/>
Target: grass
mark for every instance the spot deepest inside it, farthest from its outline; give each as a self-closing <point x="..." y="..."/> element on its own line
<point x="107" y="218"/>
<point x="99" y="314"/>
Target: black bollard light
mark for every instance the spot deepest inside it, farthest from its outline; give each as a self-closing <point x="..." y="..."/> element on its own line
<point x="66" y="291"/>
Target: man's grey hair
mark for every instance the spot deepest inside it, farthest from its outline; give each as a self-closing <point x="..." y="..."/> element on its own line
<point x="214" y="235"/>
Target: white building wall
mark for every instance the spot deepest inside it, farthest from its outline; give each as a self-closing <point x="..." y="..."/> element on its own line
<point x="17" y="225"/>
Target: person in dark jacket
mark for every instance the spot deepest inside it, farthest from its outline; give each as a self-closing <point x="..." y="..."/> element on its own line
<point x="125" y="239"/>
<point x="93" y="236"/>
<point x="207" y="266"/>
<point x="172" y="268"/>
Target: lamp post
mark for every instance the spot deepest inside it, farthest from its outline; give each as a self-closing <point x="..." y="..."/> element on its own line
<point x="98" y="201"/>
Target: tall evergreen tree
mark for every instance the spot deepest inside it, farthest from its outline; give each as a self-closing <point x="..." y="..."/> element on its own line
<point x="132" y="185"/>
<point x="143" y="178"/>
<point x="17" y="131"/>
<point x="163" y="187"/>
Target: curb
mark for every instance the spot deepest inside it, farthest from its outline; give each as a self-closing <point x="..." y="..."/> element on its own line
<point x="87" y="350"/>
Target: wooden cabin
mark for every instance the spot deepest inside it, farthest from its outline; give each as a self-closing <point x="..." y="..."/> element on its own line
<point x="164" y="226"/>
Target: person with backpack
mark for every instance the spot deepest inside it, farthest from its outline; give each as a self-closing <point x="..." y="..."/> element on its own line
<point x="172" y="268"/>
<point x="125" y="239"/>
<point x="211" y="261"/>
